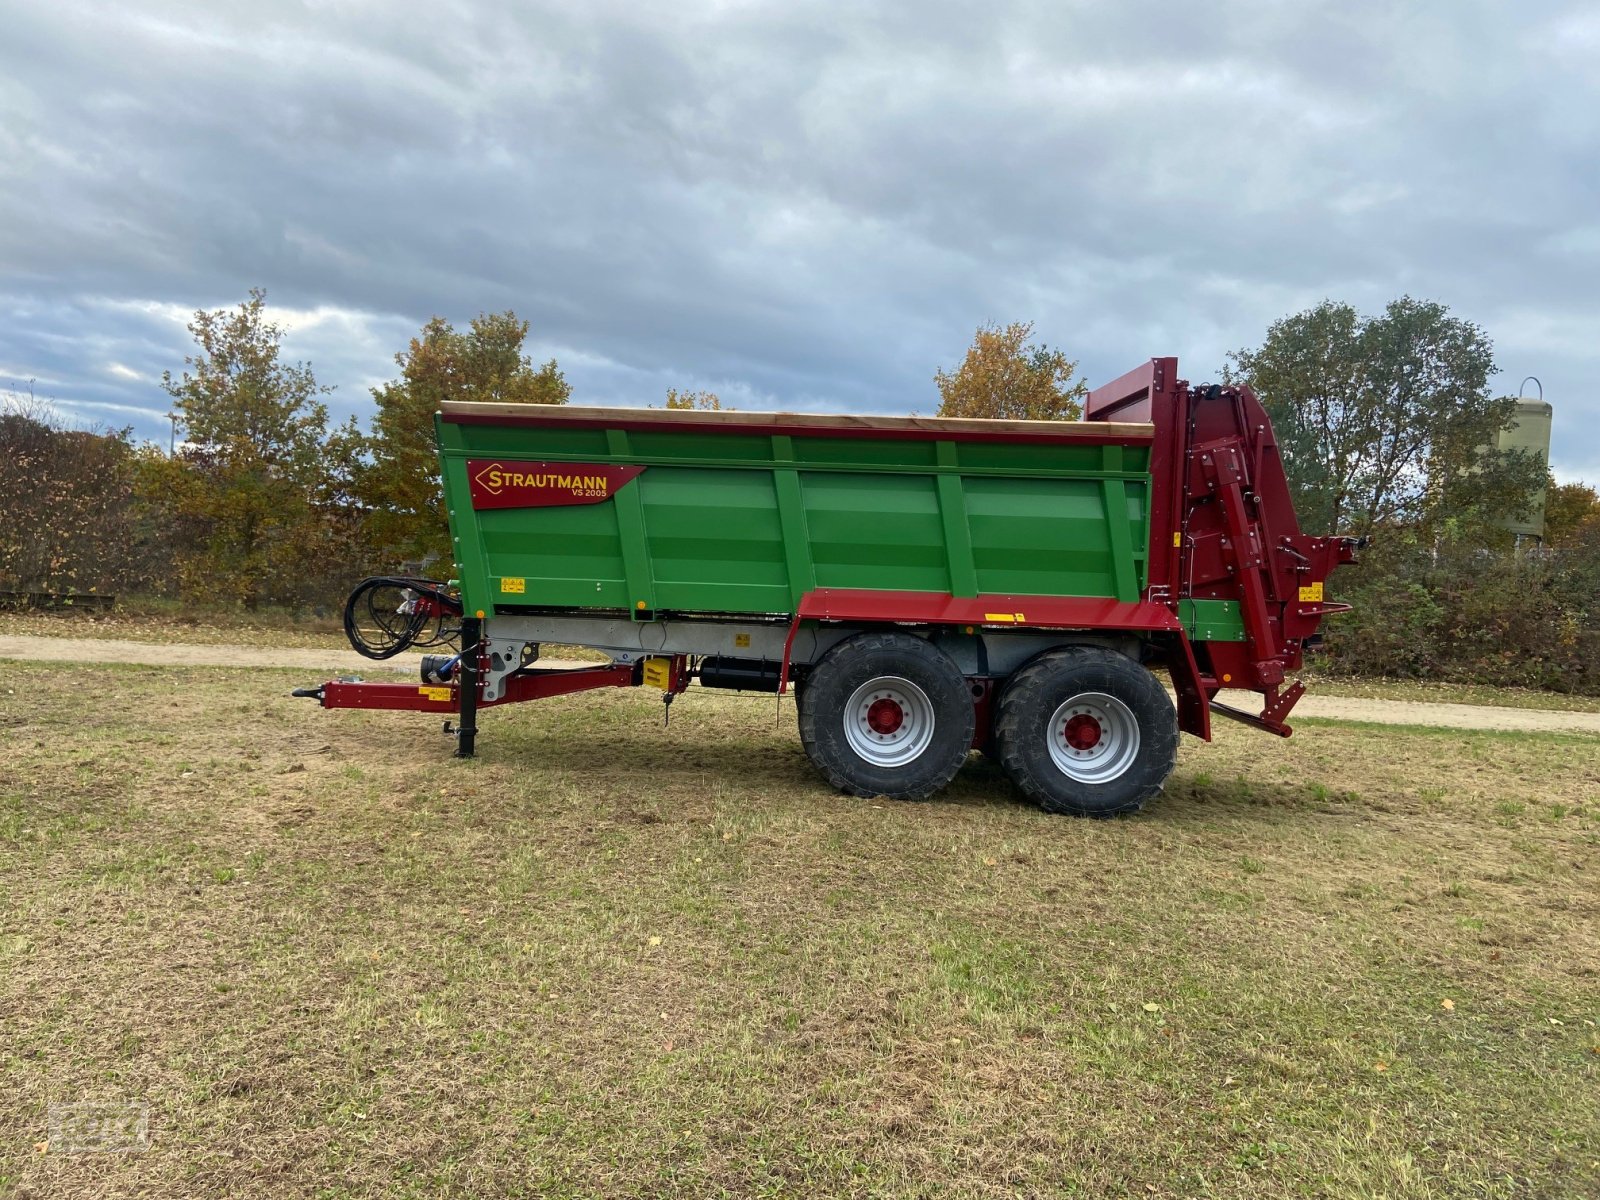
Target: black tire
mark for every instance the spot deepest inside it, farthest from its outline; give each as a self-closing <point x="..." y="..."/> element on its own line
<point x="1115" y="702"/>
<point x="932" y="718"/>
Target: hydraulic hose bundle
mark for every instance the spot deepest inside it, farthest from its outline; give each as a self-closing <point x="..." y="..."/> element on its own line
<point x="388" y="614"/>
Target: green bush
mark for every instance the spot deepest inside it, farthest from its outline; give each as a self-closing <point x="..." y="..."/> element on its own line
<point x="1469" y="614"/>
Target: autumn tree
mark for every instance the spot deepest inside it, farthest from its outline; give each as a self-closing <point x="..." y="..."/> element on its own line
<point x="704" y="401"/>
<point x="70" y="522"/>
<point x="1389" y="419"/>
<point x="401" y="484"/>
<point x="1570" y="509"/>
<point x="1003" y="376"/>
<point x="242" y="486"/>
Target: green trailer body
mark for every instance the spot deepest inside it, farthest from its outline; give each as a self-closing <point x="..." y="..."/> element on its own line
<point x="726" y="518"/>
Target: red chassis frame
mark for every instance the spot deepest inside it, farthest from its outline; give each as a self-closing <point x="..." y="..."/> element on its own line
<point x="530" y="684"/>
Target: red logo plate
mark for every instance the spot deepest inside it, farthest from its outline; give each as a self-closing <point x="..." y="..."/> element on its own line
<point x="511" y="484"/>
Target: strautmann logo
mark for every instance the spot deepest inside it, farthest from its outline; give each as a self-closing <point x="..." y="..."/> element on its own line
<point x="496" y="478"/>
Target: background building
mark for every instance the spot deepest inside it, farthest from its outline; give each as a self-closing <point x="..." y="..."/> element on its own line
<point x="1530" y="431"/>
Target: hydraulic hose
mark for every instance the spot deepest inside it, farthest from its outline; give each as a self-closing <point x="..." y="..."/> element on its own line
<point x="388" y="614"/>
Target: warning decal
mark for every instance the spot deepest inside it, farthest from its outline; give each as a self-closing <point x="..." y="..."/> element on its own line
<point x="501" y="484"/>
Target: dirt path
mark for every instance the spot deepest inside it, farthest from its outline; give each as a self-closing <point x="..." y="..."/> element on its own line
<point x="1417" y="712"/>
<point x="180" y="654"/>
<point x="1338" y="708"/>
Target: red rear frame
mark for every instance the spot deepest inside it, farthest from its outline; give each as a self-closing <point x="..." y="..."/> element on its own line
<point x="1223" y="527"/>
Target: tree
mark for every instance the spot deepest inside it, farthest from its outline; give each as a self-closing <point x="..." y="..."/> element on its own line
<point x="242" y="486"/>
<point x="1004" y="377"/>
<point x="705" y="401"/>
<point x="1389" y="419"/>
<point x="70" y="521"/>
<point x="1569" y="510"/>
<point x="401" y="485"/>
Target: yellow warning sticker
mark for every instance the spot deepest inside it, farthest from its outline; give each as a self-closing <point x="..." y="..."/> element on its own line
<point x="1311" y="594"/>
<point x="1177" y="539"/>
<point x="658" y="672"/>
<point x="434" y="693"/>
<point x="1005" y="619"/>
<point x="741" y="640"/>
<point x="514" y="585"/>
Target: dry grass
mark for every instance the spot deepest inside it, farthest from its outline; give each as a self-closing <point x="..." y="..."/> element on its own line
<point x="607" y="959"/>
<point x="220" y="628"/>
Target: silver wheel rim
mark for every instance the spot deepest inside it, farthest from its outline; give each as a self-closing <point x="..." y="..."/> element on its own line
<point x="1093" y="738"/>
<point x="888" y="721"/>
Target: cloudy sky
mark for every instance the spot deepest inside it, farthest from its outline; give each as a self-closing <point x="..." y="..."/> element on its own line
<point x="802" y="205"/>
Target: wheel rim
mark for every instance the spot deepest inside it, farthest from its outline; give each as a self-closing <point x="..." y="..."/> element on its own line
<point x="1093" y="737"/>
<point x="888" y="721"/>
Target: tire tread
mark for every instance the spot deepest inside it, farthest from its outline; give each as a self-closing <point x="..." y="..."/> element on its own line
<point x="841" y="658"/>
<point x="1092" y="669"/>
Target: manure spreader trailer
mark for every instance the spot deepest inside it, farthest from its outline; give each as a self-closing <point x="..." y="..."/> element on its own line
<point x="925" y="586"/>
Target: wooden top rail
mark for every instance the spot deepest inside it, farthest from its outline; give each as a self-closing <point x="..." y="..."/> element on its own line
<point x="463" y="412"/>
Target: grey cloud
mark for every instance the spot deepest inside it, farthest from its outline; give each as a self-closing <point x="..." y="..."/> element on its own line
<point x="806" y="205"/>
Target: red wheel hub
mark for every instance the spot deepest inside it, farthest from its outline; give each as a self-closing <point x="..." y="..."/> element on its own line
<point x="884" y="716"/>
<point x="1082" y="732"/>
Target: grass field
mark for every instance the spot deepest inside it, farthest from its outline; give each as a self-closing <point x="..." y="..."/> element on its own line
<point x="611" y="959"/>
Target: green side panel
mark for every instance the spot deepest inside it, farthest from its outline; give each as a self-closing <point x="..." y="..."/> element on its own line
<point x="716" y="539"/>
<point x="957" y="530"/>
<point x="796" y="532"/>
<point x="637" y="572"/>
<point x="748" y="523"/>
<point x="866" y="453"/>
<point x="876" y="531"/>
<point x="1212" y="620"/>
<point x="576" y="559"/>
<point x="466" y="540"/>
<point x="1054" y="541"/>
